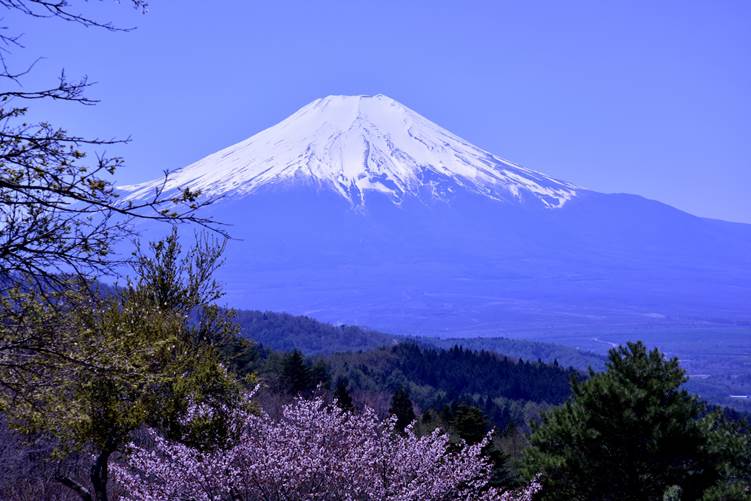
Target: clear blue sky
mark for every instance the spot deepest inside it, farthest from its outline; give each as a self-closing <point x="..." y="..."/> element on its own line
<point x="650" y="97"/>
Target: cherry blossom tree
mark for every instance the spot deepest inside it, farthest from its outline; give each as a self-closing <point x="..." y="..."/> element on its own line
<point x="313" y="451"/>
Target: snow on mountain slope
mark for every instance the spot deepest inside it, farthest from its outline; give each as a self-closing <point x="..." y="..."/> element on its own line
<point x="356" y="144"/>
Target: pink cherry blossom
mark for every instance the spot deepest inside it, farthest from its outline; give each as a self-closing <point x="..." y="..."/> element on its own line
<point x="314" y="451"/>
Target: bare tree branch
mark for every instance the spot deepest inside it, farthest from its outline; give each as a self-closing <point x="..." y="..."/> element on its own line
<point x="60" y="213"/>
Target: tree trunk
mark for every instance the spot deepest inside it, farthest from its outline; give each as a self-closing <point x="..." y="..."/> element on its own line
<point x="80" y="489"/>
<point x="100" y="476"/>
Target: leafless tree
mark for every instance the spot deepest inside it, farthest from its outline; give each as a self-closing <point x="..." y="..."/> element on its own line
<point x="59" y="210"/>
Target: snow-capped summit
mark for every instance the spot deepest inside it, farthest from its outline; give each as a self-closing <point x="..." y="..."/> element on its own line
<point x="357" y="144"/>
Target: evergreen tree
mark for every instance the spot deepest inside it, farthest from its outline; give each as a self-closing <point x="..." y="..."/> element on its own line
<point x="469" y="423"/>
<point x="401" y="407"/>
<point x="296" y="377"/>
<point x="632" y="433"/>
<point x="319" y="375"/>
<point x="342" y="396"/>
<point x="500" y="474"/>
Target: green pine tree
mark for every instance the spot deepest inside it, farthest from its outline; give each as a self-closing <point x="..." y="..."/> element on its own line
<point x="633" y="433"/>
<point x="319" y="375"/>
<point x="469" y="423"/>
<point x="296" y="377"/>
<point x="342" y="396"/>
<point x="401" y="407"/>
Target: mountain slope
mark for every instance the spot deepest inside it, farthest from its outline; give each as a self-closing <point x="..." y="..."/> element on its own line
<point x="285" y="332"/>
<point x="358" y="210"/>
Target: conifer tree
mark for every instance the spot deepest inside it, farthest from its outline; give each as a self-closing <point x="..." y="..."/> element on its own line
<point x="472" y="425"/>
<point x="296" y="376"/>
<point x="633" y="433"/>
<point x="319" y="375"/>
<point x="342" y="396"/>
<point x="401" y="407"/>
<point x="469" y="423"/>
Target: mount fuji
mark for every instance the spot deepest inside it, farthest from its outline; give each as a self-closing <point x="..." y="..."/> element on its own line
<point x="359" y="144"/>
<point x="356" y="209"/>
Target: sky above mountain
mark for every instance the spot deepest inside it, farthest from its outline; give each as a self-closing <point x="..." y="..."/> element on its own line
<point x="641" y="97"/>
